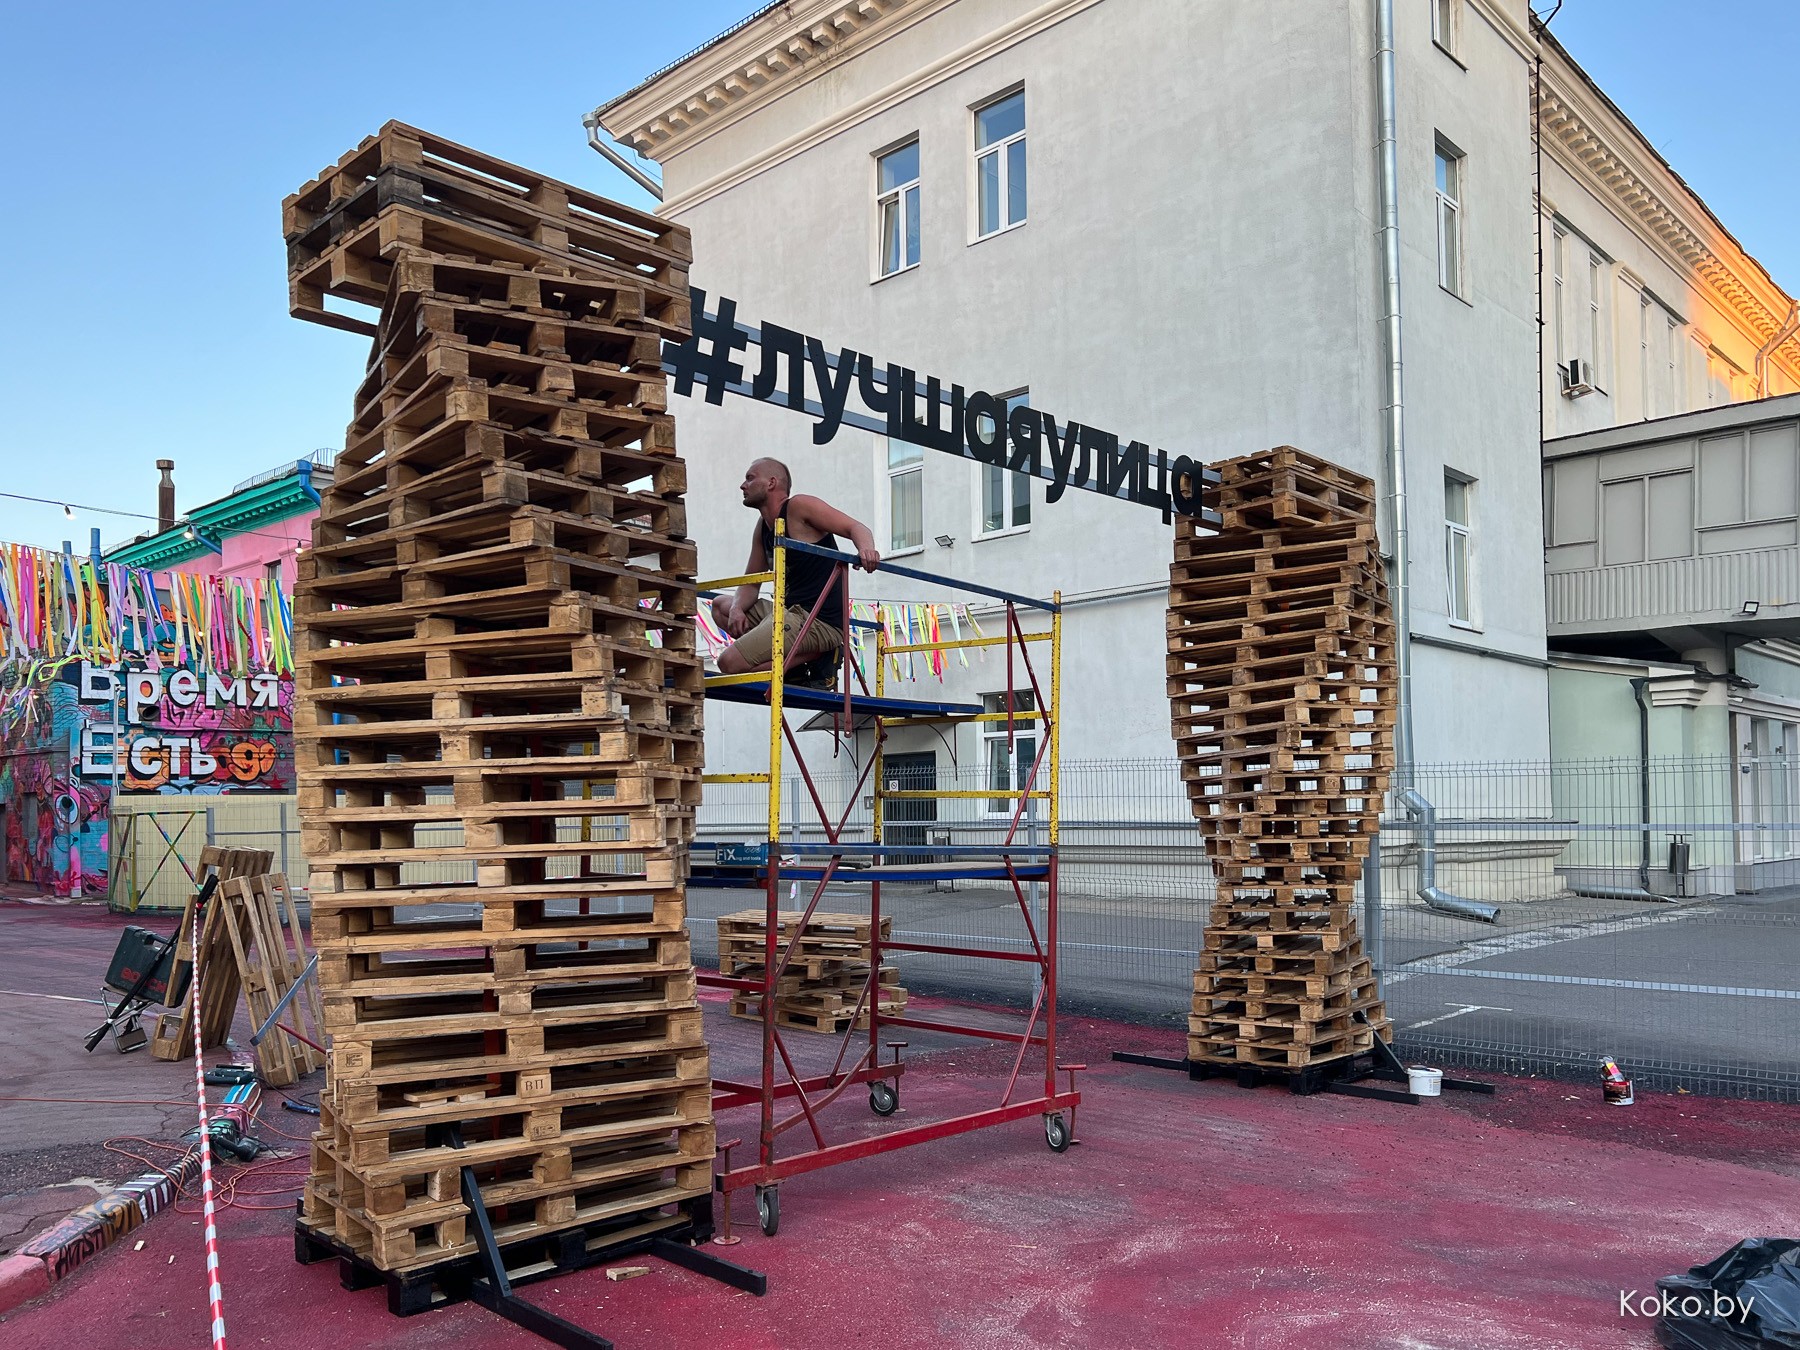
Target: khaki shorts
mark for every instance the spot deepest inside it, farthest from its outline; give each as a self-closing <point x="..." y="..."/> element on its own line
<point x="756" y="646"/>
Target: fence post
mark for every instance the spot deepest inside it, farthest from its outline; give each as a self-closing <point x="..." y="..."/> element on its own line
<point x="1372" y="900"/>
<point x="282" y="820"/>
<point x="210" y="835"/>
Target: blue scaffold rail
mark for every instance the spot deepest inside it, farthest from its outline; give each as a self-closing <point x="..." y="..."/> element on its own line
<point x="832" y="700"/>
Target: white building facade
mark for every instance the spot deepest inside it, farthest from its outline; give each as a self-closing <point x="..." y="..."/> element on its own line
<point x="1155" y="216"/>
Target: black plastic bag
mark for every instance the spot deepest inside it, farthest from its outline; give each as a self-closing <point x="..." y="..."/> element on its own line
<point x="1748" y="1299"/>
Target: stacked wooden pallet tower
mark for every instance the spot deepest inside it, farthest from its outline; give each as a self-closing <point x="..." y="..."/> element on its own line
<point x="825" y="984"/>
<point x="498" y="724"/>
<point x="1281" y="683"/>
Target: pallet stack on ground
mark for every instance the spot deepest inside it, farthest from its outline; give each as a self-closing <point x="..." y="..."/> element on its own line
<point x="1281" y="685"/>
<point x="825" y="986"/>
<point x="498" y="721"/>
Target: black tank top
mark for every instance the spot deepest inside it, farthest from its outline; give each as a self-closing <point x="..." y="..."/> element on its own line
<point x="808" y="575"/>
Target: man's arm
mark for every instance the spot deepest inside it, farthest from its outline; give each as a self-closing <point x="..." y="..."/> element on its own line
<point x="735" y="618"/>
<point x="827" y="519"/>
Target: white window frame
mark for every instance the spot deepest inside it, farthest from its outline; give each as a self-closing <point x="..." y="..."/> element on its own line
<point x="1446" y="21"/>
<point x="1559" y="260"/>
<point x="1011" y="484"/>
<point x="995" y="732"/>
<point x="1599" y="278"/>
<point x="896" y="196"/>
<point x="1463" y="530"/>
<point x="1452" y="261"/>
<point x="1672" y="393"/>
<point x="886" y="474"/>
<point x="1001" y="149"/>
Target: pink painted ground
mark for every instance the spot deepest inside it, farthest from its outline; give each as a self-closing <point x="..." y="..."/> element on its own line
<point x="1191" y="1214"/>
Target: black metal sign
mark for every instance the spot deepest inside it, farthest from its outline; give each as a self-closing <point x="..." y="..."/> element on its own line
<point x="924" y="412"/>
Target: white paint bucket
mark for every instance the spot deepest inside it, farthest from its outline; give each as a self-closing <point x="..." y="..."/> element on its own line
<point x="1424" y="1082"/>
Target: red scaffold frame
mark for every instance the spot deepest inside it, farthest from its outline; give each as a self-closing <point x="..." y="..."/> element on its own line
<point x="1010" y="860"/>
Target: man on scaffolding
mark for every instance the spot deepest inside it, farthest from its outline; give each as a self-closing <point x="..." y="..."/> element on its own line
<point x="751" y="621"/>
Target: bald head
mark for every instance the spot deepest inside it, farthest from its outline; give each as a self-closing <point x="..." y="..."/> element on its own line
<point x="766" y="480"/>
<point x="776" y="471"/>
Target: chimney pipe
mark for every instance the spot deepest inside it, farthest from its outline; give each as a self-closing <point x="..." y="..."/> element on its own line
<point x="165" y="496"/>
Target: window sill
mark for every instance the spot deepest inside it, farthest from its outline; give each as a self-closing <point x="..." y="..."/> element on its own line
<point x="1001" y="534"/>
<point x="1456" y="295"/>
<point x="1464" y="626"/>
<point x="995" y="234"/>
<point x="898" y="272"/>
<point x="1456" y="60"/>
<point x="903" y="552"/>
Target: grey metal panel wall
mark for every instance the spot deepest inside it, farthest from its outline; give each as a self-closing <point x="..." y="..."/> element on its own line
<point x="1685" y="590"/>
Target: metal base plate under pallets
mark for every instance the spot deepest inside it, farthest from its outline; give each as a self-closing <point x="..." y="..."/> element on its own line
<point x="1347" y="1077"/>
<point x="489" y="1276"/>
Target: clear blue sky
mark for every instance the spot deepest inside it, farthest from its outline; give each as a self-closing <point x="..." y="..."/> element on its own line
<point x="150" y="148"/>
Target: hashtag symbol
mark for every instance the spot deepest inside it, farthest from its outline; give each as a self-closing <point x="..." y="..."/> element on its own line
<point x="720" y="336"/>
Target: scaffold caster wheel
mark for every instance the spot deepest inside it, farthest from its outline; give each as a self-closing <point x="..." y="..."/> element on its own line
<point x="1056" y="1134"/>
<point x="768" y="1209"/>
<point x="884" y="1098"/>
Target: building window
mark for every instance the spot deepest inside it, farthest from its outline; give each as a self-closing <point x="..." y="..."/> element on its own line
<point x="1450" y="163"/>
<point x="1596" y="322"/>
<point x="272" y="575"/>
<point x="1559" y="257"/>
<point x="1718" y="379"/>
<point x="1007" y="772"/>
<point x="1457" y="552"/>
<point x="1005" y="495"/>
<point x="906" y="496"/>
<point x="1670" y="401"/>
<point x="1443" y="24"/>
<point x="1000" y="165"/>
<point x="897" y="206"/>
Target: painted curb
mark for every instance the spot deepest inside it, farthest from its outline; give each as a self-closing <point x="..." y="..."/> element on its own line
<point x="22" y="1278"/>
<point x="60" y="1249"/>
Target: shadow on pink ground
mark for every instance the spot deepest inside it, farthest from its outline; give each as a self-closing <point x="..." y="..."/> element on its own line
<point x="1189" y="1214"/>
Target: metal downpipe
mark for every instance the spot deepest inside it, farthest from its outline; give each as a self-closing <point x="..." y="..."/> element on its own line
<point x="1788" y="328"/>
<point x="1642" y="890"/>
<point x="597" y="141"/>
<point x="1387" y="153"/>
<point x="1423" y="812"/>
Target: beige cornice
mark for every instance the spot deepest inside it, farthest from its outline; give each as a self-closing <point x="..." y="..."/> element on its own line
<point x="1034" y="21"/>
<point x="1594" y="145"/>
<point x="783" y="48"/>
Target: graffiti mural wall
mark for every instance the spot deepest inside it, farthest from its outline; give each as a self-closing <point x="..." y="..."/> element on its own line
<point x="183" y="734"/>
<point x="115" y="678"/>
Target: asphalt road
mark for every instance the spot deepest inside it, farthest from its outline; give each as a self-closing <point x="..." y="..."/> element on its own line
<point x="1703" y="995"/>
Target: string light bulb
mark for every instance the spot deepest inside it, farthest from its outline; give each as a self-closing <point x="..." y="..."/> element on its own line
<point x="68" y="512"/>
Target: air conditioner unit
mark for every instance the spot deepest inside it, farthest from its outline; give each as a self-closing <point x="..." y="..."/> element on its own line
<point x="1577" y="378"/>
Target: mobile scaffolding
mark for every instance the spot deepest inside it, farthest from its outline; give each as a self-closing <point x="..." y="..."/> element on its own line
<point x="840" y="858"/>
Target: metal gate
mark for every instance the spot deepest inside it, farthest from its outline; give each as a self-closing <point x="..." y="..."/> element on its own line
<point x="152" y="859"/>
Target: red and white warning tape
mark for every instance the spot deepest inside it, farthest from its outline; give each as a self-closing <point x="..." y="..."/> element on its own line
<point x="206" y="1184"/>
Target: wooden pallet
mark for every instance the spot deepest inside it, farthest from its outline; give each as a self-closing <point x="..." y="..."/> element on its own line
<point x="825" y="985"/>
<point x="262" y="924"/>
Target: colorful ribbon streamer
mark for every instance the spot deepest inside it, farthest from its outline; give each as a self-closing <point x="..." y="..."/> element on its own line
<point x="56" y="608"/>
